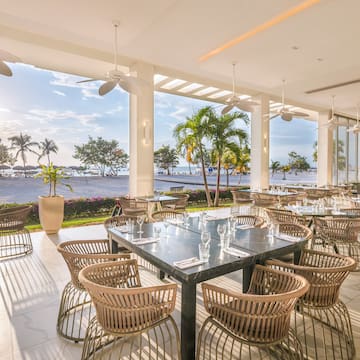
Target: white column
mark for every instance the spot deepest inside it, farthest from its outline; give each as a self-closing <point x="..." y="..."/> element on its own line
<point x="141" y="178"/>
<point x="325" y="151"/>
<point x="259" y="178"/>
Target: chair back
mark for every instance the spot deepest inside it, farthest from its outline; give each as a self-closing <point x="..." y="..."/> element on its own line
<point x="14" y="218"/>
<point x="263" y="314"/>
<point x="264" y="200"/>
<point x="241" y="197"/>
<point x="165" y="214"/>
<point x="118" y="220"/>
<point x="81" y="253"/>
<point x="122" y="305"/>
<point x="252" y="220"/>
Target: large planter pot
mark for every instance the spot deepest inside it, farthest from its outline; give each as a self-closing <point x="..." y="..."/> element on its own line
<point x="51" y="213"/>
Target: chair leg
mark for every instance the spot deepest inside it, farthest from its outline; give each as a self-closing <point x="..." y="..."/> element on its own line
<point x="75" y="312"/>
<point x="161" y="341"/>
<point x="15" y="243"/>
<point x="216" y="342"/>
<point x="325" y="333"/>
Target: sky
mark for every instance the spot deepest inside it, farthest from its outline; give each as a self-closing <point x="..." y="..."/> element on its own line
<point x="48" y="104"/>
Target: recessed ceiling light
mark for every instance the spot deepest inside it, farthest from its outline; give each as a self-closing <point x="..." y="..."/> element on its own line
<point x="295" y="47"/>
<point x="319" y="59"/>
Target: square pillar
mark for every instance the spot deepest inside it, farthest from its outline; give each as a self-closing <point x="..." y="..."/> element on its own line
<point x="325" y="152"/>
<point x="141" y="176"/>
<point x="259" y="177"/>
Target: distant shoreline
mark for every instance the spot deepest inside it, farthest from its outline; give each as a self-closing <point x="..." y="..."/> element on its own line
<point x="23" y="190"/>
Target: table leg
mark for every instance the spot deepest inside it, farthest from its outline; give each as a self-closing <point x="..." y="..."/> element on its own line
<point x="247" y="273"/>
<point x="188" y="321"/>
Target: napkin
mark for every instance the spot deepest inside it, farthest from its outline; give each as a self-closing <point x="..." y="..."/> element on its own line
<point x="244" y="226"/>
<point x="187" y="263"/>
<point x="236" y="252"/>
<point x="143" y="241"/>
<point x="288" y="237"/>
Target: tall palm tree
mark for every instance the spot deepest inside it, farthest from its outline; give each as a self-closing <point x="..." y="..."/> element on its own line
<point x="223" y="134"/>
<point x="46" y="147"/>
<point x="22" y="144"/>
<point x="193" y="132"/>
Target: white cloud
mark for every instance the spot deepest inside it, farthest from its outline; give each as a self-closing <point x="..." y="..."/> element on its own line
<point x="4" y="110"/>
<point x="90" y="93"/>
<point x="118" y="109"/>
<point x="59" y="93"/>
<point x="180" y="112"/>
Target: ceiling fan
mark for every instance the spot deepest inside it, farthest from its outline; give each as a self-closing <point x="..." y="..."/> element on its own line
<point x="284" y="112"/>
<point x="332" y="119"/>
<point x="115" y="77"/>
<point x="6" y="56"/>
<point x="235" y="101"/>
<point x="356" y="128"/>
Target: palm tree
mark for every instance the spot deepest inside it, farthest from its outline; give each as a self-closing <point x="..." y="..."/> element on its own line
<point x="193" y="132"/>
<point x="275" y="166"/>
<point x="223" y="135"/>
<point x="23" y="144"/>
<point x="229" y="160"/>
<point x="46" y="147"/>
<point x="242" y="165"/>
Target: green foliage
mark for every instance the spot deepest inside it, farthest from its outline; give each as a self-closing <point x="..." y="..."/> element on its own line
<point x="102" y="154"/>
<point x="53" y="177"/>
<point x="298" y="162"/>
<point x="5" y="156"/>
<point x="166" y="158"/>
<point x="275" y="166"/>
<point x="47" y="146"/>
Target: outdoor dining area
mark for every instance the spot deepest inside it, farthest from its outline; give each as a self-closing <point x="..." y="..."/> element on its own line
<point x="250" y="281"/>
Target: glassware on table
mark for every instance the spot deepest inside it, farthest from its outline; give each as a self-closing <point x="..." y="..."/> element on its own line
<point x="232" y="224"/>
<point x="273" y="229"/>
<point x="166" y="225"/>
<point x="204" y="251"/>
<point x="157" y="231"/>
<point x="186" y="218"/>
<point x="140" y="220"/>
<point x="130" y="225"/>
<point x="205" y="237"/>
<point x="221" y="229"/>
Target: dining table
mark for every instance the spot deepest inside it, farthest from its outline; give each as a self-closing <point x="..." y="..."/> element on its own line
<point x="180" y="241"/>
<point x="155" y="202"/>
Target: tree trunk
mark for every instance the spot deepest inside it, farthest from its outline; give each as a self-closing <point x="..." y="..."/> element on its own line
<point x="227" y="177"/>
<point x="217" y="193"/>
<point x="189" y="168"/>
<point x="207" y="193"/>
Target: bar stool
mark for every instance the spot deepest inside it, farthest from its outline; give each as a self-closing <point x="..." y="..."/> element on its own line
<point x="255" y="324"/>
<point x="75" y="307"/>
<point x="131" y="321"/>
<point x="321" y="320"/>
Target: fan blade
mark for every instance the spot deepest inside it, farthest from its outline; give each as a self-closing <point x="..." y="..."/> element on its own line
<point x="4" y="69"/>
<point x="107" y="87"/>
<point x="6" y="56"/>
<point x="226" y="109"/>
<point x="299" y="114"/>
<point x="287" y="116"/>
<point x="87" y="80"/>
<point x="131" y="85"/>
<point x="244" y="106"/>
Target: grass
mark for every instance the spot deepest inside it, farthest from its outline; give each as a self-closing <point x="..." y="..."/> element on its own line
<point x="100" y="219"/>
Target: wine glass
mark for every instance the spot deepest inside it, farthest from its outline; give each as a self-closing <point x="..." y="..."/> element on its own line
<point x="205" y="237"/>
<point x="140" y="220"/>
<point x="221" y="229"/>
<point x="166" y="225"/>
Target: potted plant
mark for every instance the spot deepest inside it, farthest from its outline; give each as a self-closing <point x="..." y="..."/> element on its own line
<point x="51" y="207"/>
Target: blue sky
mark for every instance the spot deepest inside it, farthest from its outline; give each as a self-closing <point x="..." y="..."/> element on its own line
<point x="48" y="104"/>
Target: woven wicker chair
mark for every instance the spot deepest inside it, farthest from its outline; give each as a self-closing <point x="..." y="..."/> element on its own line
<point x="131" y="321"/>
<point x="133" y="207"/>
<point x="321" y="320"/>
<point x="179" y="204"/>
<point x="241" y="198"/>
<point x="15" y="240"/>
<point x="264" y="200"/>
<point x="252" y="220"/>
<point x="279" y="216"/>
<point x="257" y="323"/>
<point x="165" y="214"/>
<point x="75" y="309"/>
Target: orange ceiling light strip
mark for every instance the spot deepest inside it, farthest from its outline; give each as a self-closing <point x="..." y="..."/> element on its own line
<point x="272" y="22"/>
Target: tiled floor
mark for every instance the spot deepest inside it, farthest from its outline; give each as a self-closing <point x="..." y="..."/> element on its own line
<point x="31" y="287"/>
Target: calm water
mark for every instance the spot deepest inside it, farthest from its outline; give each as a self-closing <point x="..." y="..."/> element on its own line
<point x="21" y="190"/>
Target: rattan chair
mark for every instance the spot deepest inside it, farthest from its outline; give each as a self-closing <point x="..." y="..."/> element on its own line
<point x="321" y="320"/>
<point x="131" y="321"/>
<point x="279" y="216"/>
<point x="253" y="220"/>
<point x="15" y="240"/>
<point x="177" y="205"/>
<point x="264" y="200"/>
<point x="75" y="309"/>
<point x="165" y="214"/>
<point x="241" y="198"/>
<point x="133" y="207"/>
<point x="255" y="324"/>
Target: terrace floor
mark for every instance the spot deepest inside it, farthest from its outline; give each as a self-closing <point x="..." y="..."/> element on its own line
<point x="31" y="288"/>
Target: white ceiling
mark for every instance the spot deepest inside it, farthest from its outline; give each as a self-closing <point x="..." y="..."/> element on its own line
<point x="77" y="37"/>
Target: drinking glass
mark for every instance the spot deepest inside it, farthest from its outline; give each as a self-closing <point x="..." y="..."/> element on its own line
<point x="140" y="220"/>
<point x="204" y="251"/>
<point x="166" y="225"/>
<point x="205" y="237"/>
<point x="157" y="231"/>
<point x="186" y="218"/>
<point x="130" y="225"/>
